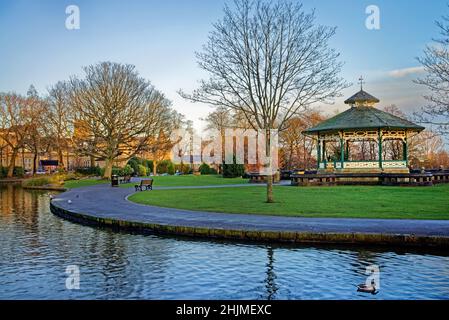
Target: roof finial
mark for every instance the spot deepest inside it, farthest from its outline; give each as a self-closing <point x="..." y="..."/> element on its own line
<point x="361" y="82"/>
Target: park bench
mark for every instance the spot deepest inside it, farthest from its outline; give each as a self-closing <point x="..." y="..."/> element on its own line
<point x="145" y="183"/>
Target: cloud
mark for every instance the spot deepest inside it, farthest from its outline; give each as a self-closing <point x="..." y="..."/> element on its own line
<point x="401" y="73"/>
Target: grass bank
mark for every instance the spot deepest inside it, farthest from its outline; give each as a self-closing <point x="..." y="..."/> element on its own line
<point x="337" y="202"/>
<point x="165" y="181"/>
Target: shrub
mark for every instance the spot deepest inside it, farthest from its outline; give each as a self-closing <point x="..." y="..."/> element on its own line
<point x="3" y="172"/>
<point x="70" y="176"/>
<point x="205" y="168"/>
<point x="166" y="166"/>
<point x="233" y="170"/>
<point x="213" y="171"/>
<point x="128" y="170"/>
<point x="184" y="170"/>
<point x="117" y="171"/>
<point x="134" y="162"/>
<point x="19" y="172"/>
<point x="141" y="170"/>
<point x="41" y="181"/>
<point x="148" y="164"/>
<point x="89" y="171"/>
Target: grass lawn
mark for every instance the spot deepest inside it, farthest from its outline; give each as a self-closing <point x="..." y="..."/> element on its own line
<point x="342" y="201"/>
<point x="190" y="180"/>
<point x="165" y="181"/>
<point x="72" y="184"/>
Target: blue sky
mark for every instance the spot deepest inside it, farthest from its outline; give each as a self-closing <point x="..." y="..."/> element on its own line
<point x="160" y="38"/>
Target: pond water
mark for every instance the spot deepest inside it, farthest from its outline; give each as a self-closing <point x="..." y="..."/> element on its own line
<point x="36" y="247"/>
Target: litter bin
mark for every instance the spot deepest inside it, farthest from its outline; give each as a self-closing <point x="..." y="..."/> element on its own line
<point x="114" y="180"/>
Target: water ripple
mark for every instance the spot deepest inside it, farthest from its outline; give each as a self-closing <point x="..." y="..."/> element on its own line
<point x="36" y="247"/>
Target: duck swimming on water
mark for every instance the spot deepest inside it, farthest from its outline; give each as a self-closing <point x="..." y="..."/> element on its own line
<point x="371" y="288"/>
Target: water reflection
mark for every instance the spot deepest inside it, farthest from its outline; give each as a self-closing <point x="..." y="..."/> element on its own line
<point x="36" y="247"/>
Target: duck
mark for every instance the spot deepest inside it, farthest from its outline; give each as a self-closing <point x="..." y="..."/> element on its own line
<point x="363" y="287"/>
<point x="69" y="201"/>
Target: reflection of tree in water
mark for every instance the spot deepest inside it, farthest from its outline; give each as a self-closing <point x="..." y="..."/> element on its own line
<point x="270" y="280"/>
<point x="362" y="259"/>
<point x="114" y="267"/>
<point x="126" y="270"/>
<point x="20" y="207"/>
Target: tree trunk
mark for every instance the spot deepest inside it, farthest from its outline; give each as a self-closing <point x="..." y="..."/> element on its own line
<point x="108" y="169"/>
<point x="92" y="161"/>
<point x="12" y="164"/>
<point x="270" y="166"/>
<point x="35" y="163"/>
<point x="154" y="167"/>
<point x="61" y="159"/>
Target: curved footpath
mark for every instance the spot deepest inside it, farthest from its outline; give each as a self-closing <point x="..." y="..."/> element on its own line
<point x="102" y="205"/>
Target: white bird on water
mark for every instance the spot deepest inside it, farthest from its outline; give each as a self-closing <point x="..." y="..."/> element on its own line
<point x="69" y="201"/>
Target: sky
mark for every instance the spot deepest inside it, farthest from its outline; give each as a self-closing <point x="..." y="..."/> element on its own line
<point x="160" y="38"/>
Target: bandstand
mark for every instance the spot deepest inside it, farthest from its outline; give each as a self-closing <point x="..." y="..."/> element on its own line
<point x="362" y="122"/>
<point x="342" y="160"/>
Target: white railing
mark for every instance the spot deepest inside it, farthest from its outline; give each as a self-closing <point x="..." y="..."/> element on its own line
<point x="361" y="164"/>
<point x="394" y="164"/>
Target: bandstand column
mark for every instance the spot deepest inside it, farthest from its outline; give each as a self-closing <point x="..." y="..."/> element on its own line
<point x="342" y="151"/>
<point x="318" y="151"/>
<point x="324" y="153"/>
<point x="405" y="151"/>
<point x="380" y="148"/>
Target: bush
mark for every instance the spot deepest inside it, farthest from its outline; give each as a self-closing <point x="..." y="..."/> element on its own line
<point x="148" y="164"/>
<point x="41" y="181"/>
<point x="184" y="170"/>
<point x="141" y="170"/>
<point x="117" y="171"/>
<point x="205" y="168"/>
<point x="128" y="170"/>
<point x="89" y="171"/>
<point x="166" y="166"/>
<point x="134" y="162"/>
<point x="233" y="170"/>
<point x="213" y="171"/>
<point x="70" y="176"/>
<point x="3" y="172"/>
<point x="19" y="172"/>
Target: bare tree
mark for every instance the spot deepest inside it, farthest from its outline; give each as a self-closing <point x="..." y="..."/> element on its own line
<point x="15" y="125"/>
<point x="184" y="142"/>
<point x="117" y="111"/>
<point x="160" y="145"/>
<point x="60" y="125"/>
<point x="269" y="61"/>
<point x="219" y="120"/>
<point x="436" y="63"/>
<point x="37" y="137"/>
<point x="297" y="147"/>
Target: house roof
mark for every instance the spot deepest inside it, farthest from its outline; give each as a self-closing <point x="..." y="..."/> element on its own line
<point x="364" y="118"/>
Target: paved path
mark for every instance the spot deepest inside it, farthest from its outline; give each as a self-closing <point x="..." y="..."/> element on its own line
<point x="102" y="201"/>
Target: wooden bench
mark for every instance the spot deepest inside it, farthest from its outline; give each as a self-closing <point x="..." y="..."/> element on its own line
<point x="145" y="183"/>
